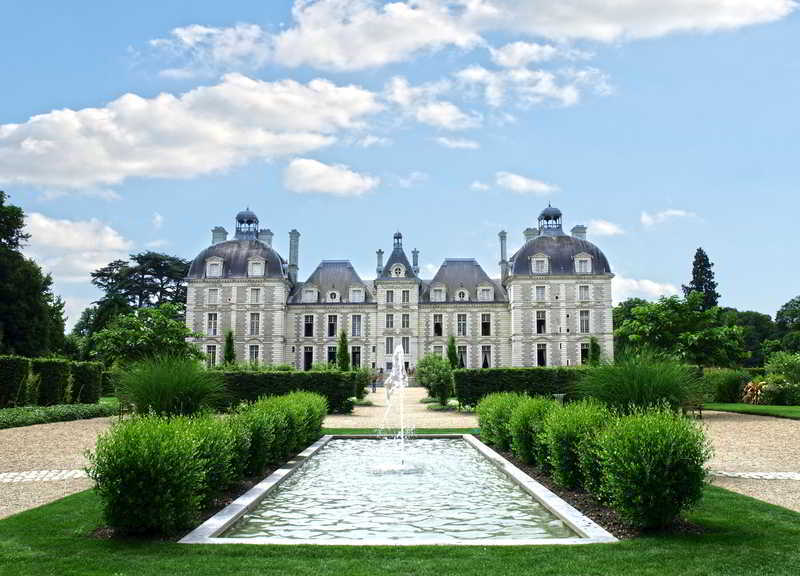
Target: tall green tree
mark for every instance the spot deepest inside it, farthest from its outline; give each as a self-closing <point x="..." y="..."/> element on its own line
<point x="788" y="317"/>
<point x="703" y="280"/>
<point x="452" y="353"/>
<point x="757" y="328"/>
<point x="229" y="355"/>
<point x="343" y="353"/>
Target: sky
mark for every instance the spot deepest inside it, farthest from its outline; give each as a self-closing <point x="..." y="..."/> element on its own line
<point x="661" y="125"/>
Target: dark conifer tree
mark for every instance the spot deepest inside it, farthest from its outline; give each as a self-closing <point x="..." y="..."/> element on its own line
<point x="703" y="280"/>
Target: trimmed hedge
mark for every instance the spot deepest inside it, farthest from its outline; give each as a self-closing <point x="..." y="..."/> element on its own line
<point x="724" y="384"/>
<point x="30" y="415"/>
<point x="526" y="424"/>
<point x="494" y="414"/>
<point x="14" y="371"/>
<point x="472" y="385"/>
<point x="337" y="387"/>
<point x="87" y="382"/>
<point x="53" y="380"/>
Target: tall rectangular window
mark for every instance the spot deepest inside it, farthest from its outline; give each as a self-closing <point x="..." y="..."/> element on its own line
<point x="461" y="324"/>
<point x="541" y="354"/>
<point x="540" y="266"/>
<point x="333" y="321"/>
<point x="211" y="355"/>
<point x="462" y="356"/>
<point x="308" y="357"/>
<point x="211" y="324"/>
<point x="331" y="354"/>
<point x="486" y="324"/>
<point x="404" y="296"/>
<point x="405" y="321"/>
<point x="390" y="320"/>
<point x="541" y="322"/>
<point x="253" y="356"/>
<point x="406" y="342"/>
<point x="583" y="293"/>
<point x="389" y="344"/>
<point x="389" y="296"/>
<point x="437" y="325"/>
<point x="255" y="295"/>
<point x="308" y="325"/>
<point x="213" y="296"/>
<point x="584" y="352"/>
<point x="583" y="266"/>
<point x="486" y="356"/>
<point x="540" y="293"/>
<point x="214" y="269"/>
<point x="255" y="323"/>
<point x="438" y="350"/>
<point x="355" y="357"/>
<point x="355" y="329"/>
<point x="584" y="322"/>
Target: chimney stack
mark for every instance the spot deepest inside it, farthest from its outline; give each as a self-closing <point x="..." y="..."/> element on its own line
<point x="415" y="260"/>
<point x="294" y="255"/>
<point x="503" y="259"/>
<point x="379" y="269"/>
<point x="579" y="232"/>
<point x="530" y="234"/>
<point x="265" y="235"/>
<point x="218" y="234"/>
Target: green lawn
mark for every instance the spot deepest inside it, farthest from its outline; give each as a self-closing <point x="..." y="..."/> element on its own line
<point x="792" y="412"/>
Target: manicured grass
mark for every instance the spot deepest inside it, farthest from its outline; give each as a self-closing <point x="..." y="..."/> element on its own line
<point x="792" y="412"/>
<point x="742" y="537"/>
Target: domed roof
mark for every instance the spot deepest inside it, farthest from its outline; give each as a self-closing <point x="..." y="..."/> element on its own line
<point x="235" y="255"/>
<point x="247" y="216"/>
<point x="550" y="213"/>
<point x="560" y="251"/>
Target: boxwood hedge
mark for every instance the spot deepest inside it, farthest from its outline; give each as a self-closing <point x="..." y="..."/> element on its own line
<point x="14" y="372"/>
<point x="472" y="385"/>
<point x="53" y="380"/>
<point x="87" y="382"/>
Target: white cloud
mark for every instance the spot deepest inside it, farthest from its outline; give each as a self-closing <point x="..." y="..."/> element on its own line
<point x="371" y="140"/>
<point x="520" y="54"/>
<point x="304" y="175"/>
<point x="412" y="179"/>
<point x="458" y="143"/>
<point x="649" y="219"/>
<point x="523" y="185"/>
<point x="430" y="270"/>
<point x="604" y="228"/>
<point x="623" y="288"/>
<point x="157" y="221"/>
<point x="207" y="129"/>
<point x="421" y="103"/>
<point x="71" y="249"/>
<point x="478" y="185"/>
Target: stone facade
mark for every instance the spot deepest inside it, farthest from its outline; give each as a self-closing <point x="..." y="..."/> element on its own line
<point x="552" y="297"/>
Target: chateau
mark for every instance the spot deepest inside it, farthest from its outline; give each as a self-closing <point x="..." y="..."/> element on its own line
<point x="553" y="295"/>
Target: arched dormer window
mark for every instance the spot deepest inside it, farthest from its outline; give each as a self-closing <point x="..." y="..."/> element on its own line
<point x="214" y="267"/>
<point x="333" y="296"/>
<point x="540" y="264"/>
<point x="462" y="295"/>
<point x="583" y="263"/>
<point x="398" y="271"/>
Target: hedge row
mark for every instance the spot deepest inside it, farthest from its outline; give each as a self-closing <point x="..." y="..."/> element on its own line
<point x="48" y="381"/>
<point x="472" y="385"/>
<point x="14" y="372"/>
<point x="337" y="387"/>
<point x="648" y="465"/>
<point x="155" y="474"/>
<point x="30" y="415"/>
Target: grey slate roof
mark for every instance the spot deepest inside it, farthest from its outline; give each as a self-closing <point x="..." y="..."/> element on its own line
<point x="398" y="255"/>
<point x="466" y="273"/>
<point x="331" y="275"/>
<point x="561" y="251"/>
<point x="235" y="255"/>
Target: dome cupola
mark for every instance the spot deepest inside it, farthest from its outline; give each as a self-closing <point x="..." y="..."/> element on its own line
<point x="550" y="221"/>
<point x="246" y="225"/>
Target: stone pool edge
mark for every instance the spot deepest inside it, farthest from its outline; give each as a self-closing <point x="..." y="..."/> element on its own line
<point x="590" y="532"/>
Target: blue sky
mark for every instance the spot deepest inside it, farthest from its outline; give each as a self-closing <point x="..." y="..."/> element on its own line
<point x="663" y="126"/>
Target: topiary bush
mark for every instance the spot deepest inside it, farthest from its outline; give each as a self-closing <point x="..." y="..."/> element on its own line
<point x="564" y="430"/>
<point x="724" y="384"/>
<point x="494" y="414"/>
<point x="54" y="378"/>
<point x="87" y="382"/>
<point x="653" y="466"/>
<point x="525" y="425"/>
<point x="472" y="385"/>
<point x="14" y="371"/>
<point x="435" y="375"/>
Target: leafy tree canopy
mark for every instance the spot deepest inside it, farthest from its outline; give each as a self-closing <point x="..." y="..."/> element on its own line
<point x="756" y="327"/>
<point x="788" y="317"/>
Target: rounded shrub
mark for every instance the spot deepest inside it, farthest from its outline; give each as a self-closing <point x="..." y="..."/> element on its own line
<point x="564" y="430"/>
<point x="494" y="414"/>
<point x="525" y="425"/>
<point x="653" y="466"/>
<point x="724" y="384"/>
<point x="436" y="376"/>
<point x="14" y="371"/>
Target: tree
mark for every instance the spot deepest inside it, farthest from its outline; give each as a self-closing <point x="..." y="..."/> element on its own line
<point x="595" y="352"/>
<point x="229" y="355"/>
<point x="12" y="221"/>
<point x="791" y="342"/>
<point x="756" y="327"/>
<point x="703" y="280"/>
<point x="144" y="333"/>
<point x="343" y="353"/>
<point x="788" y="317"/>
<point x="452" y="353"/>
<point x="435" y="374"/>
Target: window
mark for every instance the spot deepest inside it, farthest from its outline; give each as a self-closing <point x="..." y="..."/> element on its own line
<point x="308" y="325"/>
<point x="541" y="354"/>
<point x="584" y="352"/>
<point x="462" y="356"/>
<point x="437" y="324"/>
<point x="308" y="357"/>
<point x="253" y="354"/>
<point x="438" y="294"/>
<point x="486" y="356"/>
<point x="214" y="269"/>
<point x="486" y="324"/>
<point x="255" y="323"/>
<point x="398" y="271"/>
<point x="541" y="322"/>
<point x="406" y="342"/>
<point x="461" y="324"/>
<point x="309" y="295"/>
<point x="584" y="322"/>
<point x="211" y="355"/>
<point x="405" y="321"/>
<point x="388" y="366"/>
<point x="540" y="265"/>
<point x="540" y="293"/>
<point x="255" y="295"/>
<point x="213" y="296"/>
<point x="389" y="344"/>
<point x="333" y="297"/>
<point x="404" y="296"/>
<point x="356" y="295"/>
<point x="211" y="324"/>
<point x="331" y="354"/>
<point x="438" y="350"/>
<point x="462" y="295"/>
<point x="390" y="321"/>
<point x="485" y="294"/>
<point x="583" y="293"/>
<point x="355" y="329"/>
<point x="332" y="325"/>
<point x="355" y="357"/>
<point x="256" y="269"/>
<point x="583" y="266"/>
<point x="389" y="296"/>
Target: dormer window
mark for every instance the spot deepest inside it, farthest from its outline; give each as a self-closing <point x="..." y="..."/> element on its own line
<point x="356" y="295"/>
<point x="583" y="265"/>
<point x="255" y="268"/>
<point x="540" y="265"/>
<point x="398" y="271"/>
<point x="309" y="295"/>
<point x="214" y="269"/>
<point x="462" y="296"/>
<point x="333" y="296"/>
<point x="485" y="294"/>
<point x="437" y="295"/>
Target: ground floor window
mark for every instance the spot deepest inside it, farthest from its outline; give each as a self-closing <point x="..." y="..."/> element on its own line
<point x="331" y="354"/>
<point x="211" y="355"/>
<point x="406" y="344"/>
<point x="308" y="357"/>
<point x="541" y="354"/>
<point x="584" y="353"/>
<point x="438" y="350"/>
<point x="253" y="354"/>
<point x="462" y="356"/>
<point x="355" y="357"/>
<point x="486" y="356"/>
